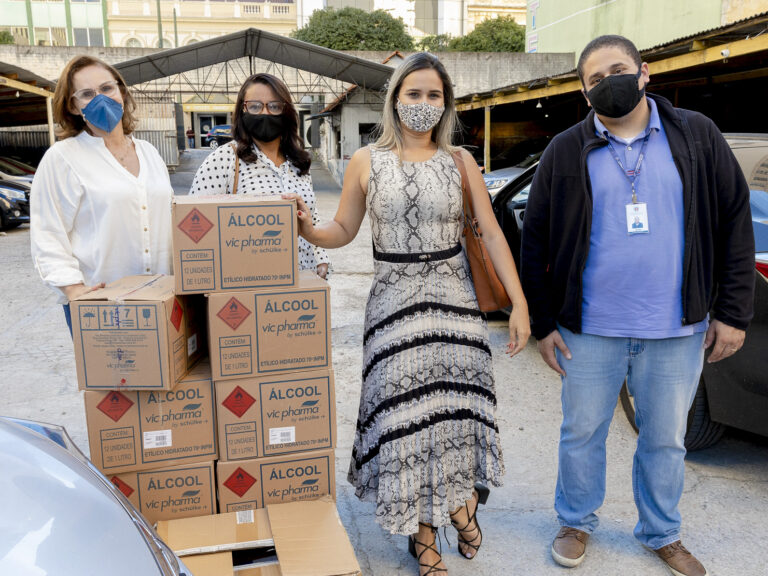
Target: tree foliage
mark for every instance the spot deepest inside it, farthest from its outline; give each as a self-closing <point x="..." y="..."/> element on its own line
<point x="438" y="43"/>
<point x="6" y="37"/>
<point x="355" y="29"/>
<point x="500" y="34"/>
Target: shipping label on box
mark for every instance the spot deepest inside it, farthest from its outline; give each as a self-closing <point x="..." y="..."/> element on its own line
<point x="275" y="415"/>
<point x="139" y="430"/>
<point x="136" y="334"/>
<point x="251" y="484"/>
<point x="234" y="242"/>
<point x="259" y="333"/>
<point x="170" y="491"/>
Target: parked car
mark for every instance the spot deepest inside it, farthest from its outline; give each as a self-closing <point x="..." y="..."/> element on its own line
<point x="62" y="516"/>
<point x="734" y="391"/>
<point x="14" y="204"/>
<point x="496" y="180"/>
<point x="218" y="135"/>
<point x="12" y="171"/>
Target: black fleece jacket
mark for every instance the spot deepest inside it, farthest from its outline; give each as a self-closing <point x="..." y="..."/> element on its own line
<point x="718" y="263"/>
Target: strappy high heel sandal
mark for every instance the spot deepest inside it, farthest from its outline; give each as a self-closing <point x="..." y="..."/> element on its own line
<point x="433" y="569"/>
<point x="472" y="527"/>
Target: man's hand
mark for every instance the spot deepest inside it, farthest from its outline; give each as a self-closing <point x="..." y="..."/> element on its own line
<point x="547" y="350"/>
<point x="322" y="270"/>
<point x="727" y="341"/>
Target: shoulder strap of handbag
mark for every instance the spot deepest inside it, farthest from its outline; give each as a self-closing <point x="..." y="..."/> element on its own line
<point x="466" y="190"/>
<point x="237" y="167"/>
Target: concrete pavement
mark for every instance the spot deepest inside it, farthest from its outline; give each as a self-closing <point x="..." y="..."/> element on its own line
<point x="724" y="506"/>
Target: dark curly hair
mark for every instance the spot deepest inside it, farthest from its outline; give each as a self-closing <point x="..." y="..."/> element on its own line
<point x="291" y="143"/>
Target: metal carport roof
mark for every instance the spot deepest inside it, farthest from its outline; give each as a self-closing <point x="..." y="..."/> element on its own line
<point x="258" y="44"/>
<point x="22" y="96"/>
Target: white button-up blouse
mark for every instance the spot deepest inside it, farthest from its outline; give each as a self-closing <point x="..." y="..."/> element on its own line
<point x="93" y="221"/>
<point x="216" y="175"/>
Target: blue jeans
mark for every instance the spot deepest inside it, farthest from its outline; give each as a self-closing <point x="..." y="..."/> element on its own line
<point x="662" y="375"/>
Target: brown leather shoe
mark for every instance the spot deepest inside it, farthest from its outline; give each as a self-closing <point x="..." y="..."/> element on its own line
<point x="569" y="547"/>
<point x="680" y="561"/>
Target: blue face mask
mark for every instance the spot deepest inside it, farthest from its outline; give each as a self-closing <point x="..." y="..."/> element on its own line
<point x="103" y="113"/>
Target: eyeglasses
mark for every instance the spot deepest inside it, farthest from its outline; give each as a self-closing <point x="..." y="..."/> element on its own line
<point x="256" y="107"/>
<point x="88" y="94"/>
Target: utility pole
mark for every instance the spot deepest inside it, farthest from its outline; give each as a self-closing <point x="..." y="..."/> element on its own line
<point x="159" y="27"/>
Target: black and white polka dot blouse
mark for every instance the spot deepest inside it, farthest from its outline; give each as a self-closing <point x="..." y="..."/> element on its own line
<point x="216" y="175"/>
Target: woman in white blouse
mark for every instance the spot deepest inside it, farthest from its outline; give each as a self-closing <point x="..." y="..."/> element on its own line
<point x="268" y="155"/>
<point x="101" y="199"/>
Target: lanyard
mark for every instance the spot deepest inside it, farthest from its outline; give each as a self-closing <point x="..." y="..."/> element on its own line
<point x="631" y="175"/>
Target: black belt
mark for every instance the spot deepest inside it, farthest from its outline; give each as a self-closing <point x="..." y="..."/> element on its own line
<point x="407" y="257"/>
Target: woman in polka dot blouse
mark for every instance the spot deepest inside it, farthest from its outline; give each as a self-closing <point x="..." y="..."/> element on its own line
<point x="272" y="159"/>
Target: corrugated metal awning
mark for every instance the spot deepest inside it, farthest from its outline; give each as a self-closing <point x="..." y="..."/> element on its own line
<point x="259" y="44"/>
<point x="23" y="96"/>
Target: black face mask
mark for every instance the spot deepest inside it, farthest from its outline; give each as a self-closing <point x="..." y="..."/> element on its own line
<point x="264" y="127"/>
<point x="616" y="96"/>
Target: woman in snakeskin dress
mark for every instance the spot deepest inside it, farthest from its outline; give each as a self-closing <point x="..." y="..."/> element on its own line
<point x="426" y="430"/>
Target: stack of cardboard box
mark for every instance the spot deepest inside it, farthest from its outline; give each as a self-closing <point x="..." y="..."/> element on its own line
<point x="150" y="410"/>
<point x="270" y="347"/>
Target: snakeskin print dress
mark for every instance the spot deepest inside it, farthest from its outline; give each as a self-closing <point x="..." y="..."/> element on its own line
<point x="426" y="429"/>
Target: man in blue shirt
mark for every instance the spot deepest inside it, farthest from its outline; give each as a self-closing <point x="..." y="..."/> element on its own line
<point x="637" y="226"/>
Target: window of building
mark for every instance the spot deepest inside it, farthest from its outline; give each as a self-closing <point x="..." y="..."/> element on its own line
<point x="367" y="134"/>
<point x="88" y="36"/>
<point x="192" y="41"/>
<point x="133" y="43"/>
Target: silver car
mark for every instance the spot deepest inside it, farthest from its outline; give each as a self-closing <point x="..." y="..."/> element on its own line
<point x="60" y="516"/>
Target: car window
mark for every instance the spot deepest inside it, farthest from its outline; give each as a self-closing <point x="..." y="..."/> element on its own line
<point x="758" y="200"/>
<point x="10" y="169"/>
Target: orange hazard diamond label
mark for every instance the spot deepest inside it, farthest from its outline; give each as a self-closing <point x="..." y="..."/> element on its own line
<point x="240" y="482"/>
<point x="122" y="486"/>
<point x="115" y="405"/>
<point x="195" y="225"/>
<point x="234" y="313"/>
<point x="177" y="314"/>
<point x="238" y="402"/>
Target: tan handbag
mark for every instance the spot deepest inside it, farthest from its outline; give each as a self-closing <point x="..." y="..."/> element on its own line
<point x="491" y="295"/>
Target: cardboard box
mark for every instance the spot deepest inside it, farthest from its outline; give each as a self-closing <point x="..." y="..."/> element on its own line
<point x="234" y="242"/>
<point x="268" y="332"/>
<point x="308" y="537"/>
<point x="171" y="491"/>
<point x="275" y="415"/>
<point x="135" y="334"/>
<point x="140" y="430"/>
<point x="251" y="484"/>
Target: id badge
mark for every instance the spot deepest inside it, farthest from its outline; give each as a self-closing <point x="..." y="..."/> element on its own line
<point x="637" y="218"/>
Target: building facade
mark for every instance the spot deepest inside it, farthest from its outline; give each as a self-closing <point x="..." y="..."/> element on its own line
<point x="55" y="22"/>
<point x="557" y="26"/>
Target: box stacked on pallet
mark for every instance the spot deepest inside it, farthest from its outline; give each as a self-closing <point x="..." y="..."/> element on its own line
<point x="270" y="347"/>
<point x="150" y="409"/>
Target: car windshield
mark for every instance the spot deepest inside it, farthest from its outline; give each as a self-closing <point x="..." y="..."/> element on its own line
<point x="10" y="169"/>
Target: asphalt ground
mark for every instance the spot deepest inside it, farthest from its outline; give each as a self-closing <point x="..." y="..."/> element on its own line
<point x="724" y="505"/>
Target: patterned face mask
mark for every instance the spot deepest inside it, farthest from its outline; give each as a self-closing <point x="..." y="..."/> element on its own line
<point x="421" y="117"/>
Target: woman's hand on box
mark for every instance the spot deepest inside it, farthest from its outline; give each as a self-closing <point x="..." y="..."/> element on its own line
<point x="306" y="227"/>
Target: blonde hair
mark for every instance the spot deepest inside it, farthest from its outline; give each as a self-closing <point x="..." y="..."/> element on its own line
<point x="390" y="132"/>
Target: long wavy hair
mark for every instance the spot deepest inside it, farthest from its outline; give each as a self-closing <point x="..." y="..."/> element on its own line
<point x="389" y="129"/>
<point x="71" y="124"/>
<point x="291" y="143"/>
